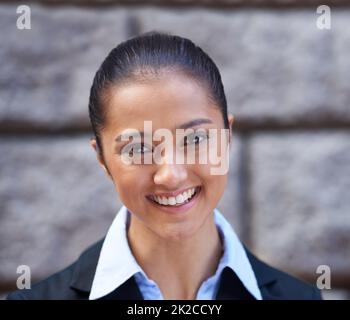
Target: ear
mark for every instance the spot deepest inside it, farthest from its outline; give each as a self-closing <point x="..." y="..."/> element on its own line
<point x="99" y="157"/>
<point x="231" y="120"/>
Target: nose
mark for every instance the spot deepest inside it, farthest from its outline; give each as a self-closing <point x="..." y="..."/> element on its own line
<point x="170" y="175"/>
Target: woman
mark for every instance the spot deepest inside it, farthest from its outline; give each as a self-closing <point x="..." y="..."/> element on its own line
<point x="168" y="241"/>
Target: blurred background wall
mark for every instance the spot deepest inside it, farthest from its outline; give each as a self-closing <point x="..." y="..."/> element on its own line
<point x="287" y="82"/>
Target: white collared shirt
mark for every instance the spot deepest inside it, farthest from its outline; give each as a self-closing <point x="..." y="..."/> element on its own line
<point x="117" y="264"/>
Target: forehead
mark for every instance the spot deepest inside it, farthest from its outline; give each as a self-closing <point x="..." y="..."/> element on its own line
<point x="167" y="101"/>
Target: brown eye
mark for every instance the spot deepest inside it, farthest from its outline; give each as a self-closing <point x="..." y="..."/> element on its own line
<point x="195" y="139"/>
<point x="136" y="148"/>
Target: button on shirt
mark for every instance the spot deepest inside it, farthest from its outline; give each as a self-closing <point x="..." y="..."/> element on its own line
<point x="112" y="270"/>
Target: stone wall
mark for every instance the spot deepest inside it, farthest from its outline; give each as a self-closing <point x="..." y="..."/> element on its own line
<point x="287" y="83"/>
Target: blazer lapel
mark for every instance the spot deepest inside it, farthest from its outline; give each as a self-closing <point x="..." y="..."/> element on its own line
<point x="265" y="276"/>
<point x="85" y="267"/>
<point x="84" y="272"/>
<point x="127" y="291"/>
<point x="231" y="287"/>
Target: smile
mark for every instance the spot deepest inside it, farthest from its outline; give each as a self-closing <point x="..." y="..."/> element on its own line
<point x="178" y="200"/>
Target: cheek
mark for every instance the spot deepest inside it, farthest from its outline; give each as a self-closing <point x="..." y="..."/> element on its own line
<point x="130" y="181"/>
<point x="214" y="184"/>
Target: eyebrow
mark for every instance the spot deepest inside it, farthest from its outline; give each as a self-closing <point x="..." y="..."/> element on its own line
<point x="186" y="125"/>
<point x="129" y="134"/>
<point x="194" y="123"/>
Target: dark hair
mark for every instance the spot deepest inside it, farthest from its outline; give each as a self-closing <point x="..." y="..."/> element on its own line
<point x="149" y="53"/>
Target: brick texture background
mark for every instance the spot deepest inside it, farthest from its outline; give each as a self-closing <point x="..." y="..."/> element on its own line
<point x="287" y="83"/>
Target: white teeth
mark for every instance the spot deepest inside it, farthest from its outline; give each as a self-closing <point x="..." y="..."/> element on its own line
<point x="179" y="198"/>
<point x="186" y="195"/>
<point x="172" y="201"/>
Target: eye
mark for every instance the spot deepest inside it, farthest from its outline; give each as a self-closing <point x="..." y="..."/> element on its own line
<point x="196" y="138"/>
<point x="136" y="148"/>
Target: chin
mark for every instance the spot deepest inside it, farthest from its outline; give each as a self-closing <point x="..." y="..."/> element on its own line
<point x="178" y="233"/>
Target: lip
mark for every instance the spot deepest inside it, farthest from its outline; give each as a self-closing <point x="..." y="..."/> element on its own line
<point x="181" y="208"/>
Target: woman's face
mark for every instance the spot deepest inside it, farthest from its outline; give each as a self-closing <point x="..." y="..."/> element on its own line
<point x="170" y="101"/>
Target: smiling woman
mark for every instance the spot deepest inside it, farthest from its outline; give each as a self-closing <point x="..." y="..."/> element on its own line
<point x="168" y="241"/>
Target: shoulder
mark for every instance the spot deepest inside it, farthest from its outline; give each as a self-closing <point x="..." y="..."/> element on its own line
<point x="276" y="284"/>
<point x="71" y="283"/>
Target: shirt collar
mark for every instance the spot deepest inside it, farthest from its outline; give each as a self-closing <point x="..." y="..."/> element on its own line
<point x="111" y="271"/>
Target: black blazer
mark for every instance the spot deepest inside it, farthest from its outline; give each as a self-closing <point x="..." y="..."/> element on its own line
<point x="74" y="283"/>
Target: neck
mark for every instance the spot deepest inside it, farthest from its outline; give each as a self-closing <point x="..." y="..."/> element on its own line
<point x="177" y="266"/>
